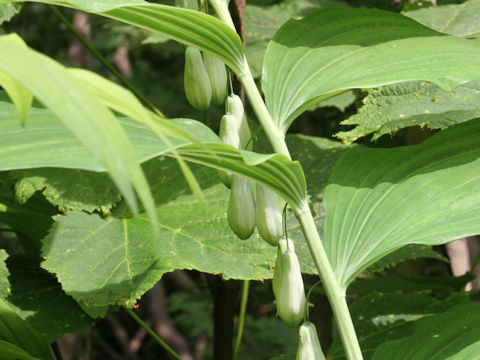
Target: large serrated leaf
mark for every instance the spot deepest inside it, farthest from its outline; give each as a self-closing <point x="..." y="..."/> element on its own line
<point x="379" y="200"/>
<point x="4" y="283"/>
<point x="452" y="335"/>
<point x="391" y="108"/>
<point x="460" y="20"/>
<point x="337" y="49"/>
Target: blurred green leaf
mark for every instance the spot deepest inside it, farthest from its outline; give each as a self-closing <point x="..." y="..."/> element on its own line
<point x="8" y="11"/>
<point x="10" y="351"/>
<point x="381" y="317"/>
<point x="453" y="335"/>
<point x="4" y="283"/>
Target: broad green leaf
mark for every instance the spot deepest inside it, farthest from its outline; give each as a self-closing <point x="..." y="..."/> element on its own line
<point x="16" y="331"/>
<point x="261" y="23"/>
<point x="381" y="317"/>
<point x="39" y="300"/>
<point x="9" y="351"/>
<point x="337" y="49"/>
<point x="192" y="28"/>
<point x="8" y="11"/>
<point x="4" y="283"/>
<point x="453" y="335"/>
<point x="379" y="200"/>
<point x="81" y="112"/>
<point x="460" y="20"/>
<point x="391" y="108"/>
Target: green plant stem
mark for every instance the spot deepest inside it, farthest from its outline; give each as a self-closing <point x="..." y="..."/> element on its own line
<point x="221" y="8"/>
<point x="274" y="134"/>
<point x="336" y="294"/>
<point x="241" y="318"/>
<point x="104" y="62"/>
<point x="153" y="334"/>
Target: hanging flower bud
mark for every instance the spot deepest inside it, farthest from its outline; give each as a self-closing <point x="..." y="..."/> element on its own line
<point x="235" y="107"/>
<point x="308" y="346"/>
<point x="268" y="215"/>
<point x="217" y="74"/>
<point x="241" y="208"/>
<point x="288" y="284"/>
<point x="229" y="135"/>
<point x="196" y="81"/>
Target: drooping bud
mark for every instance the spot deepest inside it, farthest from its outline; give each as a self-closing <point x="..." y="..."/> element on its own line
<point x="241" y="208"/>
<point x="235" y="107"/>
<point x="196" y="82"/>
<point x="217" y="74"/>
<point x="229" y="135"/>
<point x="288" y="284"/>
<point x="308" y="346"/>
<point x="268" y="215"/>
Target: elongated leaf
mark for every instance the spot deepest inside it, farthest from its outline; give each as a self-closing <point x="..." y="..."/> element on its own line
<point x="17" y="332"/>
<point x="379" y="200"/>
<point x="452" y="335"/>
<point x="8" y="351"/>
<point x="91" y="122"/>
<point x="336" y="49"/>
<point x="186" y="26"/>
<point x="460" y="20"/>
<point x="388" y="109"/>
<point x="42" y="140"/>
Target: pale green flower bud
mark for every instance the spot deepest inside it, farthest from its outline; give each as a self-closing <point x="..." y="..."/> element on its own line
<point x="288" y="284"/>
<point x="217" y="73"/>
<point x="309" y="347"/>
<point x="229" y="135"/>
<point x="268" y="214"/>
<point x="235" y="107"/>
<point x="196" y="82"/>
<point x="241" y="208"/>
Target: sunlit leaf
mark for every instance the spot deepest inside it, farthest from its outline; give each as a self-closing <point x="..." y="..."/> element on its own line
<point x="337" y="49"/>
<point x="379" y="200"/>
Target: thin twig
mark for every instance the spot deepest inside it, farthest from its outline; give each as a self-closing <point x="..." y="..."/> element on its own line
<point x="153" y="334"/>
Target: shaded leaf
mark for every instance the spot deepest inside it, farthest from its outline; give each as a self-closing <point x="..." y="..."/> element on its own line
<point x="16" y="331"/>
<point x="9" y="351"/>
<point x="391" y="108"/>
<point x="67" y="189"/>
<point x="379" y="200"/>
<point x="336" y="49"/>
<point x="431" y="339"/>
<point x="409" y="252"/>
<point x="4" y="283"/>
<point x="39" y="300"/>
<point x="460" y="20"/>
<point x="381" y="317"/>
